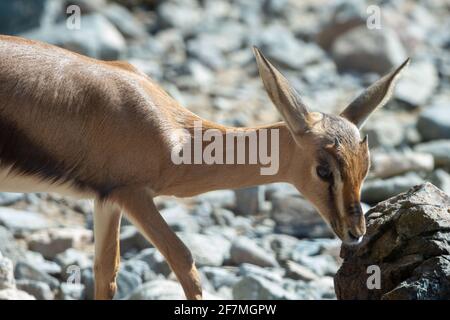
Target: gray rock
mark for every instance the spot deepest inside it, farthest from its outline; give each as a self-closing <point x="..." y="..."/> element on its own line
<point x="345" y="16"/>
<point x="140" y="268"/>
<point x="155" y="260"/>
<point x="298" y="272"/>
<point x="70" y="258"/>
<point x="388" y="164"/>
<point x="71" y="291"/>
<point x="51" y="242"/>
<point x="257" y="288"/>
<point x="37" y="260"/>
<point x="281" y="46"/>
<point x="15" y="294"/>
<point x="385" y="131"/>
<point x="322" y="265"/>
<point x="6" y="273"/>
<point x="408" y="239"/>
<point x="96" y="38"/>
<point x="418" y="83"/>
<point x="24" y="270"/>
<point x="219" y="198"/>
<point x="281" y="244"/>
<point x="250" y="201"/>
<point x="441" y="179"/>
<point x="18" y="16"/>
<point x="158" y="290"/>
<point x="182" y="16"/>
<point x="223" y="217"/>
<point x="203" y="48"/>
<point x="87" y="280"/>
<point x="125" y="22"/>
<point x="378" y="190"/>
<point x="271" y="274"/>
<point x="315" y="247"/>
<point x="295" y="216"/>
<point x="434" y="122"/>
<point x="179" y="219"/>
<point x="39" y="290"/>
<point x="23" y="221"/>
<point x="131" y="239"/>
<point x="368" y="50"/>
<point x="220" y="277"/>
<point x="207" y="250"/>
<point x="245" y="250"/>
<point x="9" y="247"/>
<point x="127" y="282"/>
<point x="9" y="198"/>
<point x="439" y="149"/>
<point x="322" y="288"/>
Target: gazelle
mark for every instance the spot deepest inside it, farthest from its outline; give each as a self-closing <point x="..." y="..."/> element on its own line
<point x="103" y="130"/>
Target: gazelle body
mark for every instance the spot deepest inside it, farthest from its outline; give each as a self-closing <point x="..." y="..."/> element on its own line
<point x="103" y="130"/>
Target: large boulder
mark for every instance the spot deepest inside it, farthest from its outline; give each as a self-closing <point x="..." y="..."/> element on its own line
<point x="406" y="252"/>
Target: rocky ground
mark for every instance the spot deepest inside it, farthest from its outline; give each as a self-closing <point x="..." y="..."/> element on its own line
<point x="259" y="243"/>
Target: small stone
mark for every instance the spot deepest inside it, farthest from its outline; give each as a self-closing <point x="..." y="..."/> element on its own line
<point x="388" y="164"/>
<point x="322" y="265"/>
<point x="6" y="273"/>
<point x="20" y="221"/>
<point x="54" y="241"/>
<point x="377" y="190"/>
<point x="219" y="198"/>
<point x="207" y="250"/>
<point x="97" y="37"/>
<point x="71" y="291"/>
<point x="15" y="294"/>
<point x="441" y="179"/>
<point x="158" y="290"/>
<point x="127" y="282"/>
<point x="368" y="50"/>
<point x="39" y="290"/>
<point x="220" y="277"/>
<point x="250" y="201"/>
<point x="179" y="219"/>
<point x="298" y="272"/>
<point x="37" y="260"/>
<point x="125" y="22"/>
<point x="418" y="83"/>
<point x="71" y="258"/>
<point x="9" y="198"/>
<point x="271" y="274"/>
<point x="24" y="270"/>
<point x="155" y="260"/>
<point x="295" y="216"/>
<point x="257" y="288"/>
<point x="439" y="149"/>
<point x="131" y="239"/>
<point x="434" y="122"/>
<point x="244" y="250"/>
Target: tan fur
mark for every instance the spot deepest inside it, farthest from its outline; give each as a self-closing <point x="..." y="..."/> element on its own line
<point x="104" y="130"/>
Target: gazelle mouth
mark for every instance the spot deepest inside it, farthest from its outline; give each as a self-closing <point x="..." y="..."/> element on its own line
<point x="352" y="239"/>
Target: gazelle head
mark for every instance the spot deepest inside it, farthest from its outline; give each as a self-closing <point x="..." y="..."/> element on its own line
<point x="330" y="160"/>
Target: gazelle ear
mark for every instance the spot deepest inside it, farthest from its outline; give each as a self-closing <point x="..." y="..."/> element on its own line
<point x="373" y="97"/>
<point x="283" y="95"/>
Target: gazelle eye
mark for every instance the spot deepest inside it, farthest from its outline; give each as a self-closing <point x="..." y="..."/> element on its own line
<point x="324" y="173"/>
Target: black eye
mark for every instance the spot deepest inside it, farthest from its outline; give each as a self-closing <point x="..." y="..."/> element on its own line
<point x="324" y="173"/>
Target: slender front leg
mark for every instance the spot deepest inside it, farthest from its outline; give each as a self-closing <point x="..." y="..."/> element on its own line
<point x="141" y="211"/>
<point x="107" y="252"/>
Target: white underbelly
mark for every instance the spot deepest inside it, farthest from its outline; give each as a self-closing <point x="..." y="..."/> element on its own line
<point x="13" y="182"/>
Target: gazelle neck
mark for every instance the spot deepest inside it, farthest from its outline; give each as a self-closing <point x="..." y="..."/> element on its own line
<point x="194" y="178"/>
